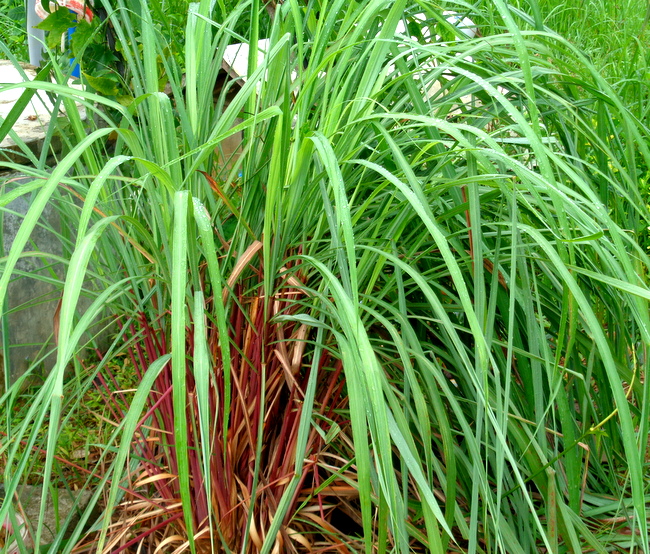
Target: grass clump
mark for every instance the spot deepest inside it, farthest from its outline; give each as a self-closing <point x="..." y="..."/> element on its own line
<point x="13" y="31"/>
<point x="85" y="430"/>
<point x="613" y="34"/>
<point x="410" y="315"/>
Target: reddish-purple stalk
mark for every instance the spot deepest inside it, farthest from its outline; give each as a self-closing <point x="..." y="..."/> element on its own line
<point x="254" y="341"/>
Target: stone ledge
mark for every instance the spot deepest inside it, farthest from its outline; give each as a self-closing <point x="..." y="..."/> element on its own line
<point x="29" y="507"/>
<point x="32" y="125"/>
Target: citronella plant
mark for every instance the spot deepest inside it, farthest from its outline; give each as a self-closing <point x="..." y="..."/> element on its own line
<point x="409" y="314"/>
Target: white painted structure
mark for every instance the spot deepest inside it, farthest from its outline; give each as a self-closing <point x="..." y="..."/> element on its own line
<point x="235" y="59"/>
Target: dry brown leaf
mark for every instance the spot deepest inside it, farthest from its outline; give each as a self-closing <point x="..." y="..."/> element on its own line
<point x="242" y="262"/>
<point x="300" y="538"/>
<point x="168" y="540"/>
<point x="154" y="478"/>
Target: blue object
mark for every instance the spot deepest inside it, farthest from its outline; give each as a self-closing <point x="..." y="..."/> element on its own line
<point x="76" y="70"/>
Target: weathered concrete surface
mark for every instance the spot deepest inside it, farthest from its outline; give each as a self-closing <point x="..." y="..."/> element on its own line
<point x="67" y="502"/>
<point x="31" y="126"/>
<point x="31" y="299"/>
<point x="35" y="290"/>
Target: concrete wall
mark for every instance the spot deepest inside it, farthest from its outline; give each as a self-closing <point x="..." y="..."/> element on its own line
<point x="35" y="291"/>
<point x="31" y="301"/>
